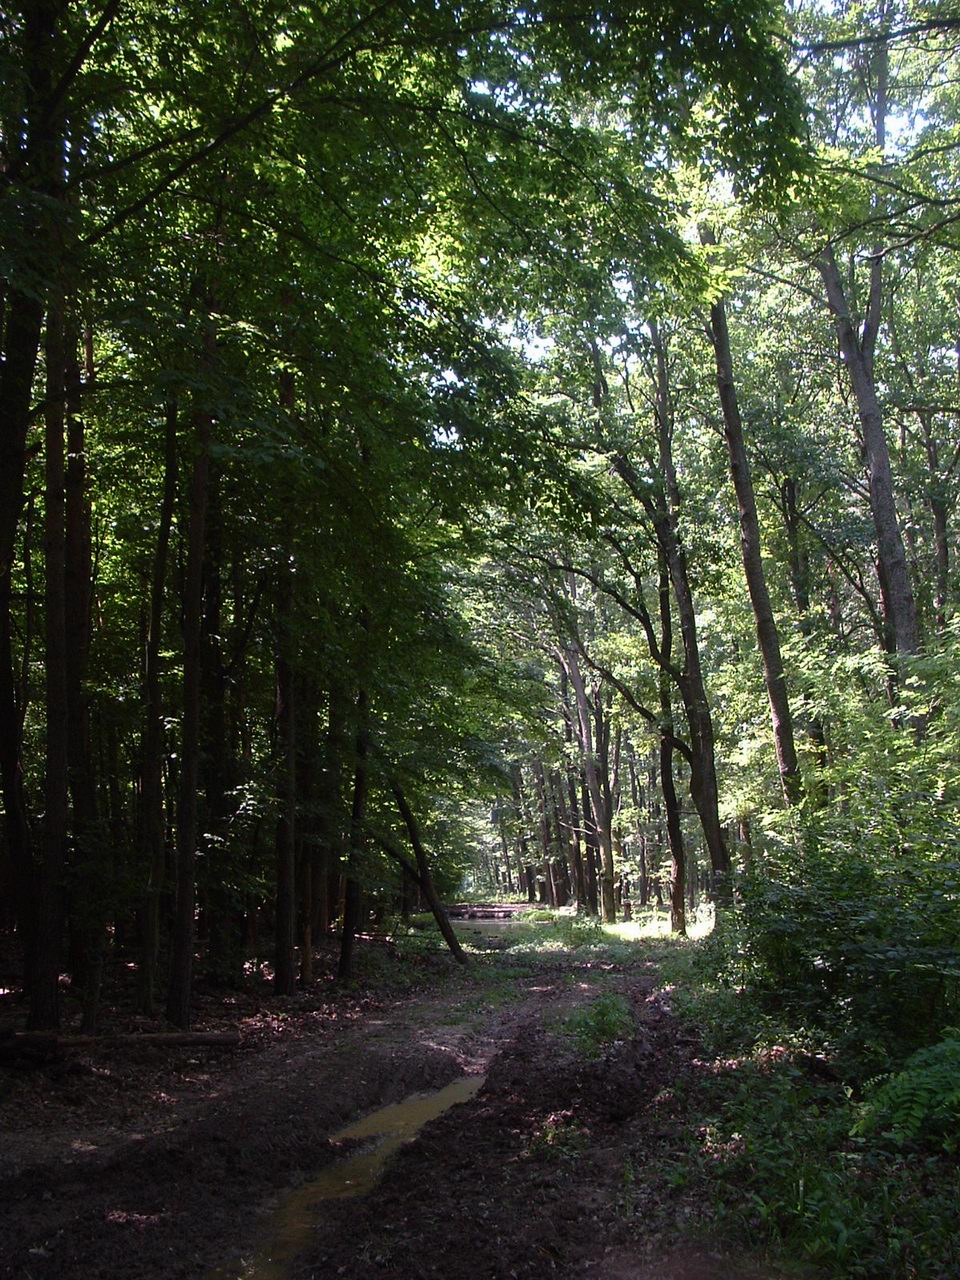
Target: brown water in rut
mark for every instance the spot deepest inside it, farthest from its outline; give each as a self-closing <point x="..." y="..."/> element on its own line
<point x="291" y="1225"/>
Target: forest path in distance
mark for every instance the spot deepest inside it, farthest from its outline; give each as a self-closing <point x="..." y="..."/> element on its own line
<point x="181" y="1162"/>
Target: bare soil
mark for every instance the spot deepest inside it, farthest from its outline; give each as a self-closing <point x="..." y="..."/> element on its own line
<point x="167" y="1163"/>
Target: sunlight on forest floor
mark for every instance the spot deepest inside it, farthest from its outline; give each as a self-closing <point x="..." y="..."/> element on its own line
<point x="540" y="930"/>
<point x="656" y="924"/>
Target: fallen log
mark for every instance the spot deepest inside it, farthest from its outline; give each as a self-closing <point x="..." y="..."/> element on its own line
<point x="37" y="1045"/>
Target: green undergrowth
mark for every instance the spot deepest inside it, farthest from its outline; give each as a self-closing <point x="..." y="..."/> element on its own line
<point x="599" y="1024"/>
<point x="557" y="1138"/>
<point x="576" y="950"/>
<point x="803" y="1128"/>
<point x="792" y="1148"/>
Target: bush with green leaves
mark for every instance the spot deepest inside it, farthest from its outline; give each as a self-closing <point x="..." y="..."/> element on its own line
<point x="600" y="1023"/>
<point x="580" y="931"/>
<point x="849" y="914"/>
<point x="919" y="1105"/>
<point x="778" y="1165"/>
<point x="772" y="1146"/>
<point x="854" y="931"/>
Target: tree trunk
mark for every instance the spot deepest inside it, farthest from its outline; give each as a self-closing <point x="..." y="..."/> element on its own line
<point x="181" y="968"/>
<point x="565" y="841"/>
<point x="768" y="637"/>
<point x="799" y="563"/>
<point x="704" y="789"/>
<point x="608" y="854"/>
<point x="358" y="811"/>
<point x="671" y="804"/>
<point x="44" y="997"/>
<point x="426" y="879"/>
<point x="40" y="156"/>
<point x="637" y="798"/>
<point x="543" y="827"/>
<point x="580" y="880"/>
<point x="217" y="774"/>
<point x="937" y="501"/>
<point x="285" y="960"/>
<point x="330" y="820"/>
<point x="505" y="847"/>
<point x="601" y="826"/>
<point x="896" y="589"/>
<point x="307" y="697"/>
<point x="591" y="847"/>
<point x="523" y="823"/>
<point x="94" y="898"/>
<point x="151" y="833"/>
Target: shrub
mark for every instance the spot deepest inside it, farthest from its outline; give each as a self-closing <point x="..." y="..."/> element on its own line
<point x="600" y="1023"/>
<point x="921" y="1103"/>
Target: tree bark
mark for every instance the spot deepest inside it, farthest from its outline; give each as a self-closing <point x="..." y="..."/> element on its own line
<point x="330" y="814"/>
<point x="307" y="697"/>
<point x="151" y="835"/>
<point x="523" y="852"/>
<point x="285" y="959"/>
<point x="591" y="847"/>
<point x="543" y="826"/>
<point x="896" y="590"/>
<point x="93" y="900"/>
<point x="704" y="789"/>
<point x="44" y="996"/>
<point x="671" y="804"/>
<point x="637" y="798"/>
<point x="768" y="637"/>
<point x="351" y="904"/>
<point x="181" y="968"/>
<point x="505" y="846"/>
<point x="939" y="510"/>
<point x="799" y="563"/>
<point x="217" y="771"/>
<point x="39" y="157"/>
<point x="425" y="878"/>
<point x="573" y="878"/>
<point x="601" y="826"/>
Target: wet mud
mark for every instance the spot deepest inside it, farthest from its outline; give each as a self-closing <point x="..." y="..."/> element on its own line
<point x="262" y="1166"/>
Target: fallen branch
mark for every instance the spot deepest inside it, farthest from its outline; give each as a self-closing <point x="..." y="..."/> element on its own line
<point x="49" y="1044"/>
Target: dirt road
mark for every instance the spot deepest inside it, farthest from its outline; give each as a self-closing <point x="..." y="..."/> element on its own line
<point x="182" y="1167"/>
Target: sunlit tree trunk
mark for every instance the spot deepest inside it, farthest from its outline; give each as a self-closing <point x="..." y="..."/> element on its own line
<point x="858" y="351"/>
<point x="637" y="798"/>
<point x="425" y="876"/>
<point x="600" y="827"/>
<point x="671" y="803"/>
<point x="896" y="589"/>
<point x="704" y="789"/>
<point x="768" y="638"/>
<point x="543" y="827"/>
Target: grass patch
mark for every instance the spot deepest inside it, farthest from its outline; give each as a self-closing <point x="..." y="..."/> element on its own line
<point x="558" y="1137"/>
<point x="600" y="1024"/>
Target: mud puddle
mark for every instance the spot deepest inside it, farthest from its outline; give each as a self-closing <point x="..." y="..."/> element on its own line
<point x="290" y="1228"/>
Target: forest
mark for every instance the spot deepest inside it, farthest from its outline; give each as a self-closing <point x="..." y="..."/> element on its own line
<point x="479" y="599"/>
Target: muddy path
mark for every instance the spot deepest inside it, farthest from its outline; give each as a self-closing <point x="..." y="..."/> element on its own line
<point x="545" y="1171"/>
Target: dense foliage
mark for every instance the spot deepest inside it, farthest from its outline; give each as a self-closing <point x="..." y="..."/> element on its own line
<point x="435" y="441"/>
